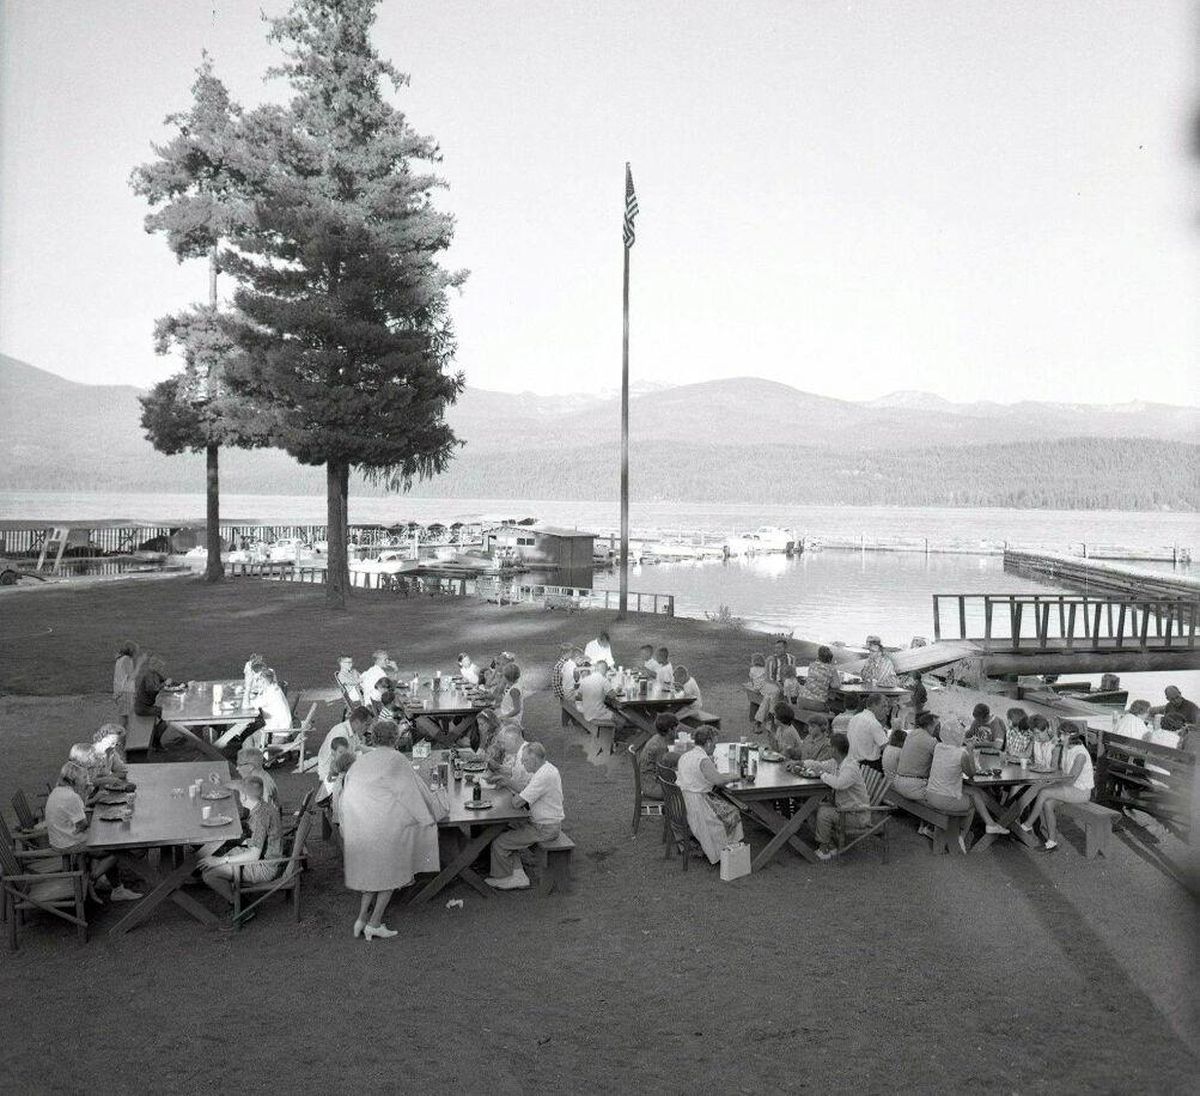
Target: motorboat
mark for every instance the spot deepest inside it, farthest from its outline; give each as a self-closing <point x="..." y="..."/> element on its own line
<point x="391" y="561"/>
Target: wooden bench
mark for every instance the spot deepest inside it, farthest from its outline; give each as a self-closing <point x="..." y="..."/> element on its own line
<point x="560" y="601"/>
<point x="604" y="731"/>
<point x="947" y="827"/>
<point x="553" y="860"/>
<point x="702" y="719"/>
<point x="1097" y="823"/>
<point x="1158" y="780"/>
<point x="137" y="734"/>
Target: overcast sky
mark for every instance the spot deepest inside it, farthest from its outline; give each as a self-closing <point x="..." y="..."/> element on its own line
<point x="985" y="200"/>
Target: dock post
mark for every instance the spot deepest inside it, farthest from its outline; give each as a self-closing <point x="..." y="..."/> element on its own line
<point x="1085" y="550"/>
<point x="926" y="546"/>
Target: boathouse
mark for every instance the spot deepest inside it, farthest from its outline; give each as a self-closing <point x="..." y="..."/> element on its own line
<point x="542" y="546"/>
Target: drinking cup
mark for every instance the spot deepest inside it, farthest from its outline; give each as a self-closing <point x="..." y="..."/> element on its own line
<point x="193" y="791"/>
<point x="206" y="812"/>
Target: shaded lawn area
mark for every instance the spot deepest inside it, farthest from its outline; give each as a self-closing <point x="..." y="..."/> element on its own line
<point x="1009" y="972"/>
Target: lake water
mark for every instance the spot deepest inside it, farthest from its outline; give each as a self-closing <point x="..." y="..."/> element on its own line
<point x="830" y="595"/>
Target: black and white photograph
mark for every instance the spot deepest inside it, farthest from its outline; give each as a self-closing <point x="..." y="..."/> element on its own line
<point x="599" y="546"/>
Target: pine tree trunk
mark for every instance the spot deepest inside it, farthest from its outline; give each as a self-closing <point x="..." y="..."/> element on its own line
<point x="214" y="570"/>
<point x="337" y="573"/>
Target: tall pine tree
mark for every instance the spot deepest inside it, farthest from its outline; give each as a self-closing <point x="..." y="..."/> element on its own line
<point x="198" y="186"/>
<point x="343" y="311"/>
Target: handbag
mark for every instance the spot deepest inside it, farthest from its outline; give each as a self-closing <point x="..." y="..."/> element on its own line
<point x="735" y="861"/>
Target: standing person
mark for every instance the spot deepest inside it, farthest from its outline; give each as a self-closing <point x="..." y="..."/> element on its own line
<point x="264" y="842"/>
<point x="849" y="794"/>
<point x="543" y="794"/>
<point x="353" y="731"/>
<point x="125" y="681"/>
<point x="714" y="821"/>
<point x="389" y="821"/>
<point x="879" y="672"/>
<point x="867" y="735"/>
<point x="772" y="688"/>
<point x="600" y="650"/>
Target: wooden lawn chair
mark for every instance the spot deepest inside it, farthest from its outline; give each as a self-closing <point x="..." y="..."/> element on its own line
<point x="846" y="837"/>
<point x="287" y="882"/>
<point x="642" y="808"/>
<point x="25" y="887"/>
<point x="679" y="833"/>
<point x="294" y="741"/>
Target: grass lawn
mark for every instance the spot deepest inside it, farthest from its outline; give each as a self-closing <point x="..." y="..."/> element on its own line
<point x="1010" y="972"/>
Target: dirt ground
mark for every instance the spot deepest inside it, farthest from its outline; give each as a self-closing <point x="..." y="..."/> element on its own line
<point x="1014" y="971"/>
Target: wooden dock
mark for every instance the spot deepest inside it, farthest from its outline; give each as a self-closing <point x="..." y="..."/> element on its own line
<point x="1091" y="576"/>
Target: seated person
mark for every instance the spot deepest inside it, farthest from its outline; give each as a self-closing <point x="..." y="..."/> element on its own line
<point x="1045" y="748"/>
<point x="1135" y="722"/>
<point x="467" y="670"/>
<point x="685" y="686"/>
<point x="543" y="794"/>
<point x="891" y="752"/>
<point x="823" y="677"/>
<point x="817" y="745"/>
<point x="1178" y="712"/>
<point x="381" y="666"/>
<point x="109" y="745"/>
<point x="389" y="706"/>
<point x="250" y="765"/>
<point x="758" y="672"/>
<point x="66" y="823"/>
<point x="666" y="731"/>
<point x="1018" y="737"/>
<point x="151" y="679"/>
<point x="252" y="678"/>
<point x="986" y="731"/>
<point x="592" y="691"/>
<point x="349" y="679"/>
<point x="648" y="662"/>
<point x="505" y="758"/>
<point x="715" y="822"/>
<point x="916" y="758"/>
<point x="352" y="731"/>
<point x="82" y="758"/>
<point x="1073" y="785"/>
<point x="867" y="732"/>
<point x="878" y="672"/>
<point x="565" y="677"/>
<point x="783" y="737"/>
<point x="789" y="687"/>
<point x="263" y="843"/>
<point x="944" y="790"/>
<point x="849" y="791"/>
<point x="665" y="674"/>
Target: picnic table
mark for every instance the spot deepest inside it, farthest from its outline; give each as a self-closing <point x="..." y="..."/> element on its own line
<point x="1008" y="775"/>
<point x="196" y="712"/>
<point x="471" y="831"/>
<point x="163" y="820"/>
<point x="772" y="783"/>
<point x="453" y="709"/>
<point x="641" y="711"/>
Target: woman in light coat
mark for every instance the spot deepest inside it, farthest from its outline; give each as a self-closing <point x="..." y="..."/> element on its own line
<point x="389" y="821"/>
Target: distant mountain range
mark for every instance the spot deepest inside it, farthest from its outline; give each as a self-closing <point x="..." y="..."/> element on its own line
<point x="742" y="439"/>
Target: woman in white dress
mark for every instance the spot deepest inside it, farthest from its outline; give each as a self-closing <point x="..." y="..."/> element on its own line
<point x="714" y="821"/>
<point x="389" y="828"/>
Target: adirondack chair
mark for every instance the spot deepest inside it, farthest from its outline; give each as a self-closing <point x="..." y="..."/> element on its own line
<point x="26" y="816"/>
<point x="846" y="837"/>
<point x="292" y="822"/>
<point x="641" y="808"/>
<point x="288" y="880"/>
<point x="26" y="887"/>
<point x="31" y="831"/>
<point x="675" y="812"/>
<point x="293" y="741"/>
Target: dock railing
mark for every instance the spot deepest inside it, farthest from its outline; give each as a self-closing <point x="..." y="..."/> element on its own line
<point x="1058" y="621"/>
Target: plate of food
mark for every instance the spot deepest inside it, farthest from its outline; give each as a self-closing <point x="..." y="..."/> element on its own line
<point x="771" y="755"/>
<point x="475" y="766"/>
<point x="477" y="805"/>
<point x="113" y="816"/>
<point x="215" y="820"/>
<point x="1040" y="770"/>
<point x="219" y="794"/>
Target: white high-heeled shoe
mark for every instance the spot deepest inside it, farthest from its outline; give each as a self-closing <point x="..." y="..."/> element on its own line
<point x="358" y="928"/>
<point x="381" y="933"/>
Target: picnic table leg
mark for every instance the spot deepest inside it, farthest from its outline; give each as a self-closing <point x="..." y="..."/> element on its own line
<point x="785" y="830"/>
<point x="1006" y="815"/>
<point x="164" y="887"/>
<point x="461" y="864"/>
<point x="201" y="743"/>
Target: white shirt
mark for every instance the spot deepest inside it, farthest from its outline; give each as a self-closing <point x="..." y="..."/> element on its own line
<point x="1133" y="726"/>
<point x="275" y="709"/>
<point x="666" y="673"/>
<point x="690" y="691"/>
<point x="652" y="666"/>
<point x="592" y="691"/>
<point x="867" y="736"/>
<point x="1086" y="780"/>
<point x="544" y="795"/>
<point x="597" y="651"/>
<point x="567" y="677"/>
<point x="64" y="809"/>
<point x="370" y="678"/>
<point x="325" y="753"/>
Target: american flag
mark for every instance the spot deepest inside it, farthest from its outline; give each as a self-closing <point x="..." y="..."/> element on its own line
<point x="631" y="207"/>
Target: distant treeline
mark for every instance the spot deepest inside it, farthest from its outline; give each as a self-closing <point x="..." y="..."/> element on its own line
<point x="1068" y="474"/>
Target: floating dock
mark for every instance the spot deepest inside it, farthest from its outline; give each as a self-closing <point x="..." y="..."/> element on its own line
<point x="1090" y="576"/>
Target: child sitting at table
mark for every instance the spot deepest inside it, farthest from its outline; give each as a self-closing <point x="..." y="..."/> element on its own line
<point x="790" y="685"/>
<point x="349" y="679"/>
<point x="1018" y="741"/>
<point x="758" y="672"/>
<point x="1044" y="746"/>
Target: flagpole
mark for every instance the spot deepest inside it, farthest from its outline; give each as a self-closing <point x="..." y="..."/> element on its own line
<point x="623" y="603"/>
